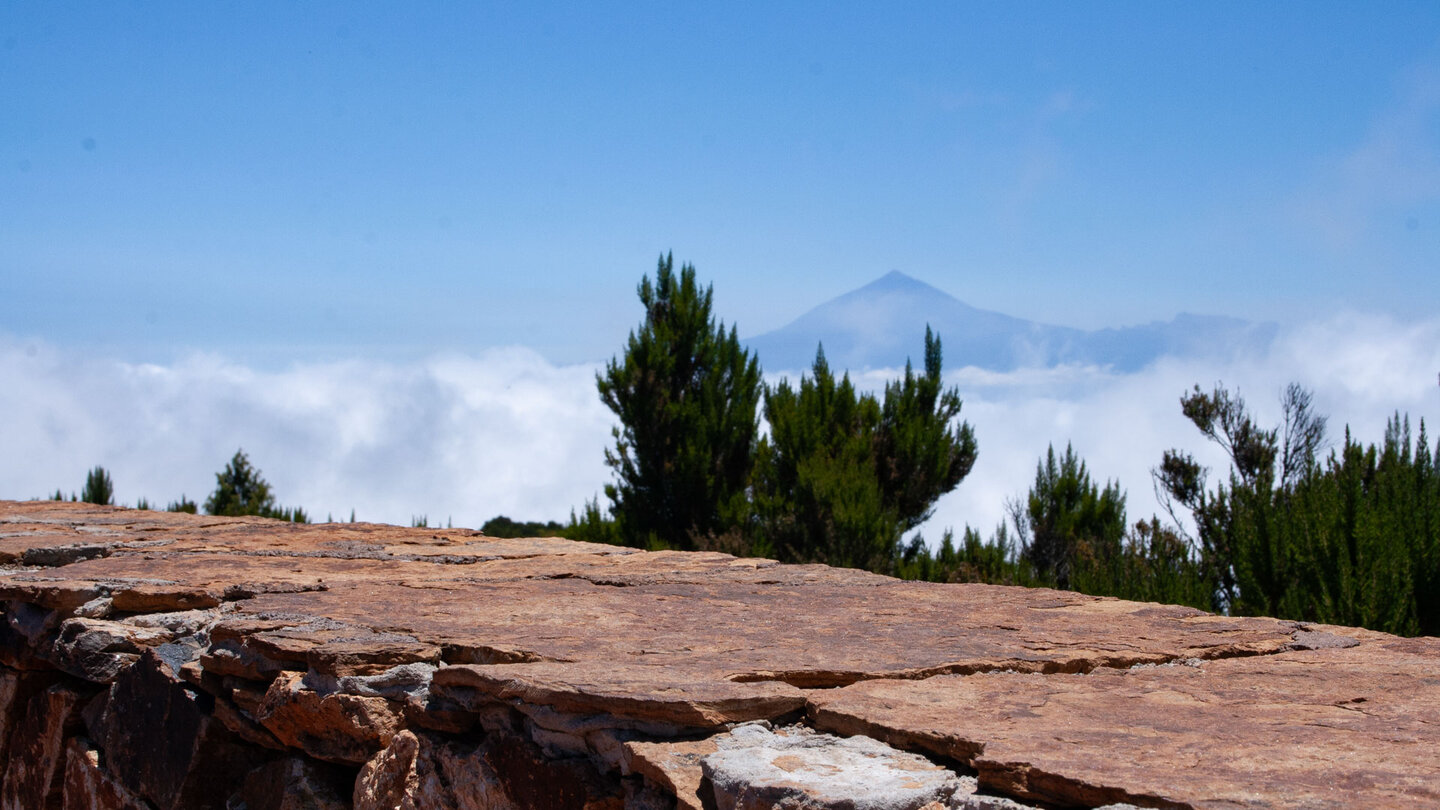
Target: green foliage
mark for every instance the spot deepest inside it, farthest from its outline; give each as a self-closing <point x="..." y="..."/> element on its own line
<point x="995" y="562"/>
<point x="182" y="505"/>
<point x="921" y="453"/>
<point x="501" y="526"/>
<point x="591" y="526"/>
<point x="419" y="522"/>
<point x="98" y="488"/>
<point x="840" y="479"/>
<point x="1070" y="533"/>
<point x="1072" y="530"/>
<point x="842" y="476"/>
<point x="1354" y="540"/>
<point x="816" y="485"/>
<point x="1156" y="565"/>
<point x="291" y="514"/>
<point x="240" y="490"/>
<point x="143" y="503"/>
<point x="686" y="395"/>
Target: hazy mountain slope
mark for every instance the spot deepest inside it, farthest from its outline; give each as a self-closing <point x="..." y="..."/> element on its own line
<point x="883" y="323"/>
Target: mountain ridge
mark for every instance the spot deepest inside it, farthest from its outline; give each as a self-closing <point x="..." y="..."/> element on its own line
<point x="881" y="325"/>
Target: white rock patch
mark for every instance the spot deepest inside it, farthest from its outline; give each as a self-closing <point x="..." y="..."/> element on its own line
<point x="799" y="768"/>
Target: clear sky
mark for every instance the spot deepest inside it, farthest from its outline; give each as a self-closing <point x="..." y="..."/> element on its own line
<point x="276" y="181"/>
<point x="383" y="247"/>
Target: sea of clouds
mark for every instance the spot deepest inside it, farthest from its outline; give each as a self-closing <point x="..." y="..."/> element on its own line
<point x="463" y="438"/>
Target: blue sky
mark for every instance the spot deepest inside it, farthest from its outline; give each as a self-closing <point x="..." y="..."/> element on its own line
<point x="287" y="181"/>
<point x="383" y="247"/>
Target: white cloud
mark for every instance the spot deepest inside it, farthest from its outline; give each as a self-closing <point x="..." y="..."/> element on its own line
<point x="506" y="432"/>
<point x="1361" y="368"/>
<point x="464" y="438"/>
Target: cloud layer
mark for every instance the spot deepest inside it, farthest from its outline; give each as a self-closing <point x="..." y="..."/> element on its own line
<point x="1362" y="369"/>
<point x="453" y="438"/>
<point x="465" y="438"/>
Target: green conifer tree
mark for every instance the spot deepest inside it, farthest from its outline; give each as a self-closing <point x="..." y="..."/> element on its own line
<point x="922" y="453"/>
<point x="1073" y="528"/>
<point x="240" y="490"/>
<point x="817" y="486"/>
<point x="843" y="476"/>
<point x="686" y="395"/>
<point x="98" y="488"/>
<point x="1352" y="540"/>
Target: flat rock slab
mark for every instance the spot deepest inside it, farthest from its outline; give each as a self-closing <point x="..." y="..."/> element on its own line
<point x="1049" y="696"/>
<point x="562" y="601"/>
<point x="643" y="695"/>
<point x="1354" y="726"/>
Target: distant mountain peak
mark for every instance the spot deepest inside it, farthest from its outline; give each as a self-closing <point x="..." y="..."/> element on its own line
<point x="882" y="323"/>
<point x="896" y="281"/>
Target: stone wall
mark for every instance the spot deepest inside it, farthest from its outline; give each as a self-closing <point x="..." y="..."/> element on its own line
<point x="153" y="661"/>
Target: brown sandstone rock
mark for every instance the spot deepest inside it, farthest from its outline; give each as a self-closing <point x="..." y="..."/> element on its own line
<point x="1344" y="726"/>
<point x="805" y="625"/>
<point x="416" y="772"/>
<point x="292" y="783"/>
<point x="9" y="684"/>
<point x="89" y="787"/>
<point x="366" y="656"/>
<point x="639" y="693"/>
<point x="31" y="624"/>
<point x="97" y="649"/>
<point x="32" y="540"/>
<point x="161" y="742"/>
<point x="241" y="721"/>
<point x="36" y="751"/>
<point x="161" y="598"/>
<point x="240" y="659"/>
<point x="49" y="592"/>
<point x="329" y="636"/>
<point x="16" y="650"/>
<point x="336" y="727"/>
<point x="425" y="773"/>
<point x="673" y="765"/>
<point x="17" y="689"/>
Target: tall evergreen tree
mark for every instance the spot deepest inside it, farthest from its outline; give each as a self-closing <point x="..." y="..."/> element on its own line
<point x="843" y="476"/>
<point x="1073" y="529"/>
<point x="98" y="488"/>
<point x="686" y="395"/>
<point x="240" y="490"/>
<point x="922" y="453"/>
<point x="817" y="487"/>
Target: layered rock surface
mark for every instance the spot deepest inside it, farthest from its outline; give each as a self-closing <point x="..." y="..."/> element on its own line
<point x="155" y="661"/>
